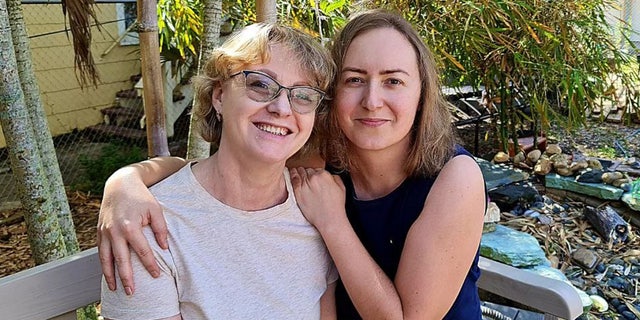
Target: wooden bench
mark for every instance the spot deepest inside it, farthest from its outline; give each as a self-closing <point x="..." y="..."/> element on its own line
<point x="54" y="290"/>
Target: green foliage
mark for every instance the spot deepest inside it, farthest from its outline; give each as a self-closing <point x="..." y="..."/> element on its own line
<point x="180" y="22"/>
<point x="96" y="168"/>
<point x="561" y="58"/>
<point x="558" y="56"/>
<point x="606" y="152"/>
<point x="180" y="28"/>
<point x="320" y="18"/>
<point x="87" y="313"/>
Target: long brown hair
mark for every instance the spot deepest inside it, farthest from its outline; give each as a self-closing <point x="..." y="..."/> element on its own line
<point x="432" y="135"/>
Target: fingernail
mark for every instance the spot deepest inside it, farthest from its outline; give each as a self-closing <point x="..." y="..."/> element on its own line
<point x="128" y="291"/>
<point x="112" y="287"/>
<point x="155" y="274"/>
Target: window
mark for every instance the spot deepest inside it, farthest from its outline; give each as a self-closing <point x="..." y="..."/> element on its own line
<point x="126" y="15"/>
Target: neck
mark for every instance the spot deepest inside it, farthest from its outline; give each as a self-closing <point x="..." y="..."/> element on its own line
<point x="244" y="185"/>
<point x="378" y="173"/>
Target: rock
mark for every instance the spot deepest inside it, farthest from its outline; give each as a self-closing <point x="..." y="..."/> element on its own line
<point x="621" y="284"/>
<point x="594" y="164"/>
<point x="533" y="156"/>
<point x="615" y="302"/>
<point x="619" y="182"/>
<point x="506" y="197"/>
<point x="496" y="175"/>
<point x="518" y="158"/>
<point x="501" y="157"/>
<point x="556" y="208"/>
<point x="586" y="301"/>
<point x="512" y="247"/>
<point x="543" y="167"/>
<point x="531" y="213"/>
<point x="545" y="219"/>
<point x="591" y="189"/>
<point x="632" y="200"/>
<point x="590" y="176"/>
<point x="565" y="172"/>
<point x="610" y="177"/>
<point x="488" y="227"/>
<point x="599" y="303"/>
<point x="560" y="161"/>
<point x="553" y="149"/>
<point x="578" y="166"/>
<point x="493" y="213"/>
<point x="628" y="315"/>
<point x="586" y="258"/>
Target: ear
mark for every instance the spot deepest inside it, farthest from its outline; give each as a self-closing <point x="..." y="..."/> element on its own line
<point x="216" y="97"/>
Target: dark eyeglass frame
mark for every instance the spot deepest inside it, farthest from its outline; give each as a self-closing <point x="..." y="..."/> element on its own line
<point x="294" y="106"/>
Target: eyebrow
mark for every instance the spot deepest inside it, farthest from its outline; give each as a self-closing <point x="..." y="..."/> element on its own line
<point x="357" y="70"/>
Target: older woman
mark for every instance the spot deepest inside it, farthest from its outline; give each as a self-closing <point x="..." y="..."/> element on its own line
<point x="239" y="246"/>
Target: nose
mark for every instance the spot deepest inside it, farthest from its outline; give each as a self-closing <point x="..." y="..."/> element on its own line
<point x="373" y="98"/>
<point x="280" y="105"/>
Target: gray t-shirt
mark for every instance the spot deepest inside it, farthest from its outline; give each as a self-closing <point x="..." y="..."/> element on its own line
<point x="225" y="263"/>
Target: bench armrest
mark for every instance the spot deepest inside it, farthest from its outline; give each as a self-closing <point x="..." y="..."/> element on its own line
<point x="551" y="296"/>
<point x="53" y="288"/>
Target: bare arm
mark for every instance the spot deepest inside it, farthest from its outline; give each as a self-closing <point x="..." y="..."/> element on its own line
<point x="328" y="303"/>
<point x="437" y="255"/>
<point x="127" y="206"/>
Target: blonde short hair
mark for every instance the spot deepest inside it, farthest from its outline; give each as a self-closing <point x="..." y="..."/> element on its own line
<point x="250" y="46"/>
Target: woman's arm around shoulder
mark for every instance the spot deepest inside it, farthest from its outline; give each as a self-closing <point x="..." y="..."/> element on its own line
<point x="127" y="206"/>
<point x="442" y="243"/>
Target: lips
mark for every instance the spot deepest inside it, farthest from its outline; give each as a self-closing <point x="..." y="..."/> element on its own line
<point x="279" y="131"/>
<point x="372" y="122"/>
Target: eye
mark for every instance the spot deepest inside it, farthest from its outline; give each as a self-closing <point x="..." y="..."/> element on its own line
<point x="304" y="96"/>
<point x="394" y="81"/>
<point x="354" y="80"/>
<point x="258" y="84"/>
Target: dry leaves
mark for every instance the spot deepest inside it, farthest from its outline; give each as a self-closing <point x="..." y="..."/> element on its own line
<point x="15" y="253"/>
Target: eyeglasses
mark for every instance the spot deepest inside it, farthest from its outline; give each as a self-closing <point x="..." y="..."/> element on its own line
<point x="260" y="87"/>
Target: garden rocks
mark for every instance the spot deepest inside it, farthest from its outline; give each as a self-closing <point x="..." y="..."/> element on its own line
<point x="585" y="258"/>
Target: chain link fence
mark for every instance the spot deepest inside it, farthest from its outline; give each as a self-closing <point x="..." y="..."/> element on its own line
<point x="95" y="129"/>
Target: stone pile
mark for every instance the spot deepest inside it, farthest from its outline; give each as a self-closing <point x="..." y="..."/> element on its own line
<point x="553" y="160"/>
<point x="606" y="273"/>
<point x="581" y="174"/>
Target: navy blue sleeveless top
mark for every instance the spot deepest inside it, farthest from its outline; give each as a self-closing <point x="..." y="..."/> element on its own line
<point x="382" y="226"/>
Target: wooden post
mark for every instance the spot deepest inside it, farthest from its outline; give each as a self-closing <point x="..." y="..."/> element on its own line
<point x="266" y="11"/>
<point x="152" y="78"/>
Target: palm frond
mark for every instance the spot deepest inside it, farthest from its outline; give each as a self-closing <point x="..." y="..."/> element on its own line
<point x="80" y="13"/>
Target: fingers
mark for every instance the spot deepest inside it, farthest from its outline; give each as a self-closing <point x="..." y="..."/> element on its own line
<point x="106" y="260"/>
<point x="298" y="176"/>
<point x="159" y="227"/>
<point x="140" y="245"/>
<point x="122" y="258"/>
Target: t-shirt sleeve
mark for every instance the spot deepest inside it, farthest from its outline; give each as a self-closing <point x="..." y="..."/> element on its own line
<point x="332" y="271"/>
<point x="154" y="298"/>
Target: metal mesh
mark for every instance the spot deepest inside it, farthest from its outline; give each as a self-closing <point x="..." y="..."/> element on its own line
<point x="86" y="122"/>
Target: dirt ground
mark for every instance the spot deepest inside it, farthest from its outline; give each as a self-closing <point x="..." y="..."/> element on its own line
<point x="15" y="254"/>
